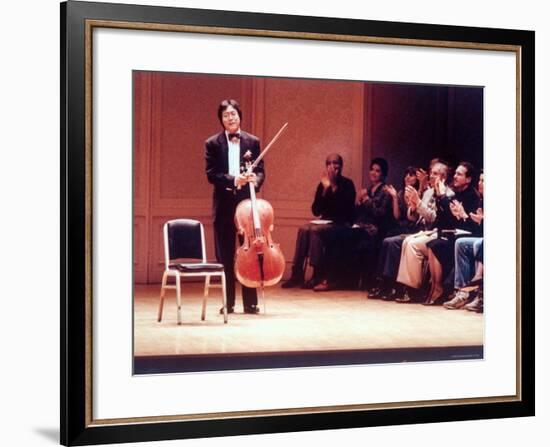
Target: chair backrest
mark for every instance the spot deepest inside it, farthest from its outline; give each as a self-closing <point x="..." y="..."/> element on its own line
<point x="183" y="238"/>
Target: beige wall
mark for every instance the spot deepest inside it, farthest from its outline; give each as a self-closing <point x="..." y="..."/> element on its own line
<point x="175" y="113"/>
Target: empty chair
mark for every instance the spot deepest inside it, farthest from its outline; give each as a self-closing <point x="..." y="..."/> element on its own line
<point x="185" y="255"/>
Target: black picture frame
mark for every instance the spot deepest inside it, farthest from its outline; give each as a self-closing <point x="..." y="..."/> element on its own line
<point x="77" y="425"/>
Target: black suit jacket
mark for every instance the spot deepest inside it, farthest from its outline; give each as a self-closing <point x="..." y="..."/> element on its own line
<point x="226" y="195"/>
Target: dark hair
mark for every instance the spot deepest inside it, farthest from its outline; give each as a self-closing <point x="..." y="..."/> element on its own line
<point x="470" y="171"/>
<point x="225" y="104"/>
<point x="383" y="166"/>
<point x="411" y="170"/>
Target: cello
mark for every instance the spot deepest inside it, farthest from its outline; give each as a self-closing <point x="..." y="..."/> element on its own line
<point x="259" y="261"/>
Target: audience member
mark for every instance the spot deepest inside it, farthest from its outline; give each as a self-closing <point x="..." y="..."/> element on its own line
<point x="452" y="216"/>
<point x="334" y="204"/>
<point x="468" y="256"/>
<point x="424" y="211"/>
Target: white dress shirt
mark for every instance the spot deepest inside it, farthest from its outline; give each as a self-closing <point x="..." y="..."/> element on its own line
<point x="234" y="155"/>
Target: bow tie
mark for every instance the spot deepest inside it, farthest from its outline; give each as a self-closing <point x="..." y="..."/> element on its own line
<point x="233" y="135"/>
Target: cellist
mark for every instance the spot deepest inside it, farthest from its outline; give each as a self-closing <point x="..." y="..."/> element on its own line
<point x="224" y="153"/>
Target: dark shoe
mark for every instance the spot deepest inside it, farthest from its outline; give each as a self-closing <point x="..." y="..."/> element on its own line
<point x="251" y="309"/>
<point x="230" y="310"/>
<point x="406" y="298"/>
<point x="393" y="295"/>
<point x="292" y="282"/>
<point x="409" y="295"/>
<point x="375" y="293"/>
<point x="322" y="287"/>
<point x="311" y="284"/>
<point x="435" y="301"/>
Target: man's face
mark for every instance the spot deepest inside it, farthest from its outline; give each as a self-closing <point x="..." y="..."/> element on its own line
<point x="460" y="181"/>
<point x="334" y="163"/>
<point x="230" y="119"/>
<point x="375" y="173"/>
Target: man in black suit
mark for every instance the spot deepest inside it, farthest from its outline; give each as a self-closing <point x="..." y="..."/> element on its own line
<point x="224" y="155"/>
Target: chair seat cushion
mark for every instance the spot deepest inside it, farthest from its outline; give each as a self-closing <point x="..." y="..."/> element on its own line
<point x="199" y="267"/>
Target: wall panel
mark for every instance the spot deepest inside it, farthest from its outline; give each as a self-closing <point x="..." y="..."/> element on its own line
<point x="141" y="171"/>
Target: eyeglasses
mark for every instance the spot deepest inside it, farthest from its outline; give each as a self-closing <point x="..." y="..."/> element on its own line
<point x="230" y="115"/>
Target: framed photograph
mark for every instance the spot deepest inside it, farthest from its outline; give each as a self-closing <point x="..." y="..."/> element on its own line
<point x="255" y="206"/>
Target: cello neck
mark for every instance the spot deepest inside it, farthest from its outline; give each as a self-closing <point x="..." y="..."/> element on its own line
<point x="255" y="215"/>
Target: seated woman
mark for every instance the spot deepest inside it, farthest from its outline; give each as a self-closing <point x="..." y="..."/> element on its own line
<point x="441" y="249"/>
<point x="390" y="252"/>
<point x="423" y="211"/>
<point x="468" y="256"/>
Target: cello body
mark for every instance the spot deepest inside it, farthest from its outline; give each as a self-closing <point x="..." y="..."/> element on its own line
<point x="259" y="262"/>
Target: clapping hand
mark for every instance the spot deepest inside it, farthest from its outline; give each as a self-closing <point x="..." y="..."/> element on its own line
<point x="411" y="196"/>
<point x="458" y="209"/>
<point x="477" y="217"/>
<point x="328" y="178"/>
<point x="325" y="179"/>
<point x="391" y="191"/>
<point x="363" y="196"/>
<point x="440" y="187"/>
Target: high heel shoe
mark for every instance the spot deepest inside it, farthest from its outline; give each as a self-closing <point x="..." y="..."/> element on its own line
<point x="434" y="301"/>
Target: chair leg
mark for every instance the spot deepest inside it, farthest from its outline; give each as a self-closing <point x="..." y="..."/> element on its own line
<point x="178" y="296"/>
<point x="205" y="295"/>
<point x="206" y="285"/>
<point x="224" y="299"/>
<point x="162" y="293"/>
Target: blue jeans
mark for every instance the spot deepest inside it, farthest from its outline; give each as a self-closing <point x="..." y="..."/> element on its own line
<point x="390" y="255"/>
<point x="466" y="251"/>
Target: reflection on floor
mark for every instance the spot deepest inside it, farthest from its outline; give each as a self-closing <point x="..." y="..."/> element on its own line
<point x="296" y="320"/>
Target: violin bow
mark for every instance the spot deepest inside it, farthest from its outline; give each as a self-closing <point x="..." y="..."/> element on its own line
<point x="275" y="138"/>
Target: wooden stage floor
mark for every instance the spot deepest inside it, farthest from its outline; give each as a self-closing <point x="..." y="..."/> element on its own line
<point x="296" y="321"/>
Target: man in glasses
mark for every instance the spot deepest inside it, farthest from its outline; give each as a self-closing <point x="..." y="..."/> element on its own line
<point x="225" y="153"/>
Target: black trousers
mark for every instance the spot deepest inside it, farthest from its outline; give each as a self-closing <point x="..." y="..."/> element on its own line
<point x="309" y="244"/>
<point x="350" y="256"/>
<point x="443" y="249"/>
<point x="225" y="235"/>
